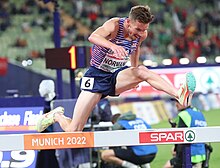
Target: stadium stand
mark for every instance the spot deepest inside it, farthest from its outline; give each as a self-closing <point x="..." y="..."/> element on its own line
<point x="181" y="29"/>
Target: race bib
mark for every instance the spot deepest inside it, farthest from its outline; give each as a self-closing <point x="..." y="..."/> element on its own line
<point x="87" y="83"/>
<point x="111" y="64"/>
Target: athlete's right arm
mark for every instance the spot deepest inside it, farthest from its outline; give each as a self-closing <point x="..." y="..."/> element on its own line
<point x="101" y="35"/>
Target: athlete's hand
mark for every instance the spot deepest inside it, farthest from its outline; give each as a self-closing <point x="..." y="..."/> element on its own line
<point x="118" y="51"/>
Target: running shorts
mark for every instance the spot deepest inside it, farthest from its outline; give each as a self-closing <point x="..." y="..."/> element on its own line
<point x="98" y="81"/>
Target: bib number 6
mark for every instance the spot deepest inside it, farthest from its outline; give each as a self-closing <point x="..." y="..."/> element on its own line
<point x="87" y="83"/>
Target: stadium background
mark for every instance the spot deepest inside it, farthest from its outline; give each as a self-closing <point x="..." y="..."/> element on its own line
<point x="185" y="35"/>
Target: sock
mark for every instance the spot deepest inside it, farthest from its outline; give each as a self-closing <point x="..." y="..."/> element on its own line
<point x="128" y="164"/>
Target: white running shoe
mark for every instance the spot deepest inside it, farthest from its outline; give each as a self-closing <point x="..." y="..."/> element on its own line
<point x="48" y="119"/>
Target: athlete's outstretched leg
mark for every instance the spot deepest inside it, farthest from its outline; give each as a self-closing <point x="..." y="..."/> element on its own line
<point x="84" y="105"/>
<point x="131" y="77"/>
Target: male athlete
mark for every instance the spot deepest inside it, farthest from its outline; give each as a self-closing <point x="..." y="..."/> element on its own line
<point x="115" y="42"/>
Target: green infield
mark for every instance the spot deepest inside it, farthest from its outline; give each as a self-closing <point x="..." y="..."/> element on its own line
<point x="164" y="151"/>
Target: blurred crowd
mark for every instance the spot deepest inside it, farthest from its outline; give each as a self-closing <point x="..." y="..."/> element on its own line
<point x="189" y="30"/>
<point x="181" y="29"/>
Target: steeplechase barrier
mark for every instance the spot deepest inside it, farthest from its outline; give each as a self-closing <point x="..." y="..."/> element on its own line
<point x="62" y="140"/>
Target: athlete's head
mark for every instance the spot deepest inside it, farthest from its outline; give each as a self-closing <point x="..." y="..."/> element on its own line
<point x="141" y="14"/>
<point x="138" y="21"/>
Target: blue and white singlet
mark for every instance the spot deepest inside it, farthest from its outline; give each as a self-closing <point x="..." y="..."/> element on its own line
<point x="103" y="59"/>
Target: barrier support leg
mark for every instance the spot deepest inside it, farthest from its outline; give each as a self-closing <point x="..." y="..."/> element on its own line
<point x="187" y="156"/>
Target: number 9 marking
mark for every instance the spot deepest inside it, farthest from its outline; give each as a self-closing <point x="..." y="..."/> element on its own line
<point x="22" y="158"/>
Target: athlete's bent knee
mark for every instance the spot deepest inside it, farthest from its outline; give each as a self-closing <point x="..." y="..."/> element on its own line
<point x="142" y="72"/>
<point x="142" y="67"/>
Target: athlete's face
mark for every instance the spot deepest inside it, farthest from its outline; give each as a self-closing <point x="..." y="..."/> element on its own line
<point x="136" y="29"/>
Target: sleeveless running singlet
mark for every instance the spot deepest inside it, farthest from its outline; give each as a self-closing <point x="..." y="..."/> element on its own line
<point x="102" y="58"/>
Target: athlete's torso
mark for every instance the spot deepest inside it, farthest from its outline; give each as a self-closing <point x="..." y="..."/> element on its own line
<point x="102" y="58"/>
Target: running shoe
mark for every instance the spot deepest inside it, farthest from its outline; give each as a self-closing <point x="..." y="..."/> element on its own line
<point x="48" y="119"/>
<point x="187" y="89"/>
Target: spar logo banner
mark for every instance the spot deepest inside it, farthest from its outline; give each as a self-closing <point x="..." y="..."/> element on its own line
<point x="167" y="137"/>
<point x="190" y="136"/>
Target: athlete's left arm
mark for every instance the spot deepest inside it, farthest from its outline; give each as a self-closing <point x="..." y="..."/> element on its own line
<point x="135" y="56"/>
